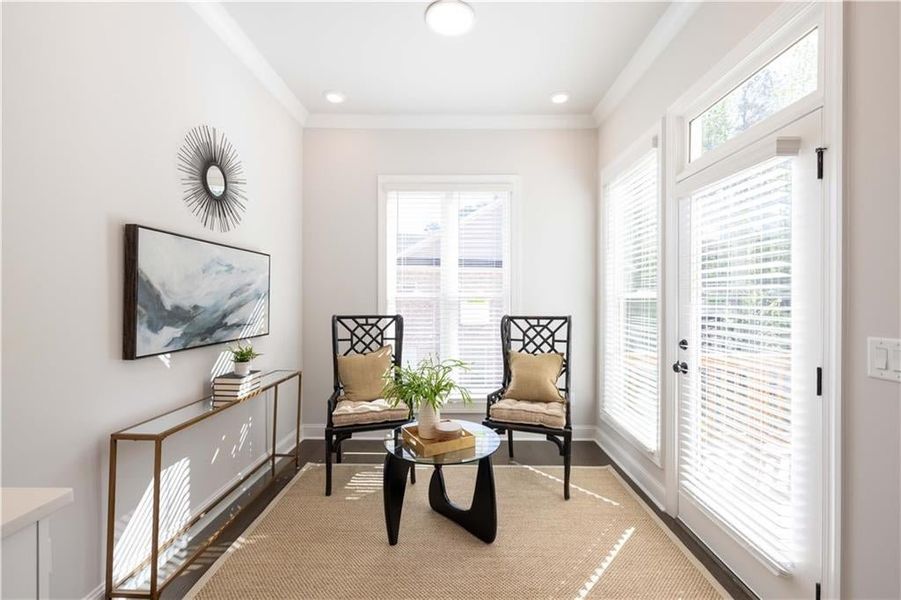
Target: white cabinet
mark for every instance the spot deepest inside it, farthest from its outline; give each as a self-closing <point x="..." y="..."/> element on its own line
<point x="26" y="540"/>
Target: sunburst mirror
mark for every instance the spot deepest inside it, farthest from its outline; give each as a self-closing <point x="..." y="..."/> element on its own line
<point x="213" y="178"/>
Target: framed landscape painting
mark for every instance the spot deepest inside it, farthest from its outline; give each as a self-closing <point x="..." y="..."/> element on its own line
<point x="182" y="292"/>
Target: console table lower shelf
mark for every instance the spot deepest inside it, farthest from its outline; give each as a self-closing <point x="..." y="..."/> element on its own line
<point x="145" y="580"/>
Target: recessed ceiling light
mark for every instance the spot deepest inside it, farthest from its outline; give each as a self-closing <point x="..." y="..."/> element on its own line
<point x="335" y="97"/>
<point x="449" y="17"/>
<point x="559" y="97"/>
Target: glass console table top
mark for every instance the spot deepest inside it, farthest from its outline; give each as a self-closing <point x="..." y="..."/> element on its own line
<point x="174" y="420"/>
<point x="487" y="443"/>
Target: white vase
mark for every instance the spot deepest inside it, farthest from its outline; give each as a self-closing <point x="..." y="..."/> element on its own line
<point x="428" y="418"/>
<point x="242" y="368"/>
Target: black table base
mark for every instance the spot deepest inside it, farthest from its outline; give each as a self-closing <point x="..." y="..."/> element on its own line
<point x="394" y="484"/>
<point x="480" y="519"/>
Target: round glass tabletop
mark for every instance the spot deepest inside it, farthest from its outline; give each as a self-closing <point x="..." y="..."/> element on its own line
<point x="487" y="442"/>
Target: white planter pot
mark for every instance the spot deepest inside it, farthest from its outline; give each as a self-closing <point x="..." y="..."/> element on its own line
<point x="428" y="418"/>
<point x="242" y="368"/>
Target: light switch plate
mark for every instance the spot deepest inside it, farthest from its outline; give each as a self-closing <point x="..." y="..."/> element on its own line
<point x="883" y="358"/>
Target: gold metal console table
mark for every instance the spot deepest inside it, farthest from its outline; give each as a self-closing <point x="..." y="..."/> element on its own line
<point x="158" y="429"/>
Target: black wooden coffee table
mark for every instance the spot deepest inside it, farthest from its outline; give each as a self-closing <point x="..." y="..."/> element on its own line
<point x="481" y="517"/>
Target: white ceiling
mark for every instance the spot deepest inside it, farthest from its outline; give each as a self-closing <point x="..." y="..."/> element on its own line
<point x="387" y="62"/>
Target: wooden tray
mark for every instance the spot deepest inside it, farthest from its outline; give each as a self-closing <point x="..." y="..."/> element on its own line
<point x="426" y="448"/>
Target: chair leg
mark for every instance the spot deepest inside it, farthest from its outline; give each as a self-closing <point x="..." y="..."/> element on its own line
<point x="567" y="461"/>
<point x="328" y="463"/>
<point x="412" y="473"/>
<point x="510" y="442"/>
<point x="338" y="452"/>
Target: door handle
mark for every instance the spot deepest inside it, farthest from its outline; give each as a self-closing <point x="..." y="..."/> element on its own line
<point x="680" y="367"/>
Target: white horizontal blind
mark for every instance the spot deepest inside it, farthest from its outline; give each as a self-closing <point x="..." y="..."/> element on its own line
<point x="448" y="273"/>
<point x="736" y="412"/>
<point x="631" y="396"/>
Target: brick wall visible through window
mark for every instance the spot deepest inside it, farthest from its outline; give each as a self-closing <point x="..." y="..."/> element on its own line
<point x="448" y="273"/>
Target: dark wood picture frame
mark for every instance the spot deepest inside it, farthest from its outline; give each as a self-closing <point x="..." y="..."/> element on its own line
<point x="130" y="304"/>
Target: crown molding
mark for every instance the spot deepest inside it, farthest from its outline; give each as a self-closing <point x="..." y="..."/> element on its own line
<point x="217" y="18"/>
<point x="227" y="29"/>
<point x="667" y="27"/>
<point x="400" y="121"/>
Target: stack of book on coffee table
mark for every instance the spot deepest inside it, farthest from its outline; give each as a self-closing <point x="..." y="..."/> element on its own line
<point x="231" y="387"/>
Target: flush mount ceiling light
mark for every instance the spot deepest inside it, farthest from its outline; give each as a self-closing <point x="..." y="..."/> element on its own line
<point x="449" y="17"/>
<point x="335" y="97"/>
<point x="560" y="98"/>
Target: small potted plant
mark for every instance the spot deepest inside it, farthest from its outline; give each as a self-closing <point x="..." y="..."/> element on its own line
<point x="243" y="356"/>
<point x="426" y="388"/>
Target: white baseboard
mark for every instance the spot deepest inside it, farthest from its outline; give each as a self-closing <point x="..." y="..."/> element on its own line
<point x="283" y="445"/>
<point x="581" y="433"/>
<point x="649" y="484"/>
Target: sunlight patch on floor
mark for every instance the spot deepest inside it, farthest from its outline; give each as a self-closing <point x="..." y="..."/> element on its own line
<point x="362" y="484"/>
<point x="572" y="485"/>
<point x="605" y="564"/>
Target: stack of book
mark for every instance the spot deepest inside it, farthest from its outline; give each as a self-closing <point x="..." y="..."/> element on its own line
<point x="231" y="387"/>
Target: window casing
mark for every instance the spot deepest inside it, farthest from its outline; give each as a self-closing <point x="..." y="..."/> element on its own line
<point x="631" y="300"/>
<point x="445" y="266"/>
<point x="746" y="180"/>
<point x="786" y="79"/>
<point x="789" y="57"/>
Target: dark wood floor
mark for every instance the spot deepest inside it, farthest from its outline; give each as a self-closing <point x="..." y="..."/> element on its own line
<point x="371" y="451"/>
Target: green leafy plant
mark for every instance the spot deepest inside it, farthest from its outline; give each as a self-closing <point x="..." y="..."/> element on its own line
<point x="242" y="354"/>
<point x="429" y="383"/>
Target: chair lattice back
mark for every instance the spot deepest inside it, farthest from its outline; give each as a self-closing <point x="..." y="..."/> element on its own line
<point x="537" y="335"/>
<point x="359" y="334"/>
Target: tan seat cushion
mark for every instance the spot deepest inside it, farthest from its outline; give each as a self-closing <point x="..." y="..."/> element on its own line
<point x="348" y="412"/>
<point x="363" y="375"/>
<point x="549" y="414"/>
<point x="533" y="377"/>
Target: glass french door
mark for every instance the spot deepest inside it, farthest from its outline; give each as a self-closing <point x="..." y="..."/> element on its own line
<point x="750" y="322"/>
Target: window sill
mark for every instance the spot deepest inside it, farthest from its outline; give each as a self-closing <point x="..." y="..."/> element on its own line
<point x="457" y="408"/>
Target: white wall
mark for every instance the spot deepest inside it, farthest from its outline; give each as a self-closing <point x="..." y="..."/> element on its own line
<point x="713" y="30"/>
<point x="871" y="551"/>
<point x="341" y="168"/>
<point x="96" y="101"/>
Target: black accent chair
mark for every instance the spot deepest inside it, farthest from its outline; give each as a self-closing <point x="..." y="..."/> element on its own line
<point x="359" y="334"/>
<point x="537" y="335"/>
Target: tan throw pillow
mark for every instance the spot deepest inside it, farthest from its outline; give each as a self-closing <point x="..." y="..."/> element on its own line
<point x="533" y="377"/>
<point x="363" y="375"/>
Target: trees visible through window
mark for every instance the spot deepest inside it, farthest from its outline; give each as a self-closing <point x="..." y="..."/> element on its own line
<point x="784" y="80"/>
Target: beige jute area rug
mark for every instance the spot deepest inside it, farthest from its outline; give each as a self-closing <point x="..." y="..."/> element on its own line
<point x="603" y="543"/>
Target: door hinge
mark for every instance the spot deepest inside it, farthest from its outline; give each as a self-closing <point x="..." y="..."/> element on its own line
<point x="817" y="593"/>
<point x="819" y="152"/>
<point x="819" y="381"/>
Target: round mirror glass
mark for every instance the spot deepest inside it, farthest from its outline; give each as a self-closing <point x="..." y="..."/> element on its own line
<point x="215" y="180"/>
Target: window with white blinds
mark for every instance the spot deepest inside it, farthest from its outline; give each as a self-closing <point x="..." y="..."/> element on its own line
<point x="736" y="442"/>
<point x="630" y="398"/>
<point x="447" y="271"/>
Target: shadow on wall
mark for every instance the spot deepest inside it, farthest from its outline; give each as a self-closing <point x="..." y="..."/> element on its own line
<point x="133" y="529"/>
